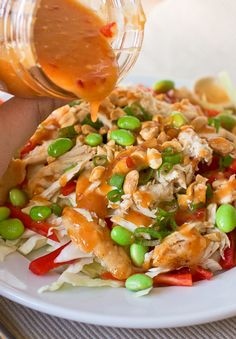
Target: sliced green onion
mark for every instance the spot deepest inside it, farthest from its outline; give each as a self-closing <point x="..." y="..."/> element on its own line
<point x="145" y="176"/>
<point x="178" y="119"/>
<point x="168" y="151"/>
<point x="100" y="160"/>
<point x="87" y="121"/>
<point x="169" y="159"/>
<point x="165" y="219"/>
<point x="56" y="209"/>
<point x="165" y="167"/>
<point x="173" y="224"/>
<point x="138" y="111"/>
<point x="209" y="192"/>
<point x="117" y="180"/>
<point x="67" y="132"/>
<point x="75" y="103"/>
<point x="115" y="195"/>
<point x="173" y="205"/>
<point x="194" y="207"/>
<point x="173" y="159"/>
<point x="225" y="162"/>
<point x="151" y="231"/>
<point x="215" y="122"/>
<point x="147" y="242"/>
<point x="69" y="168"/>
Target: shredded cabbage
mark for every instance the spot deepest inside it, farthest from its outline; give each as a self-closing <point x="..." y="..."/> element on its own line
<point x="153" y="272"/>
<point x="73" y="277"/>
<point x="35" y="242"/>
<point x="71" y="252"/>
<point x="93" y="270"/>
<point x="143" y="292"/>
<point x="5" y="250"/>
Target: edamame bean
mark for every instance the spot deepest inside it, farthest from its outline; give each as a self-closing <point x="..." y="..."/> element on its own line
<point x="122" y="236"/>
<point x="59" y="147"/>
<point x="39" y="213"/>
<point x="117" y="180"/>
<point x="17" y="197"/>
<point x="129" y="122"/>
<point x="137" y="253"/>
<point x="227" y="121"/>
<point x="163" y="86"/>
<point x="11" y="229"/>
<point x="122" y="137"/>
<point x="138" y="282"/>
<point x="178" y="119"/>
<point x="226" y="218"/>
<point x="4" y="213"/>
<point x="93" y="139"/>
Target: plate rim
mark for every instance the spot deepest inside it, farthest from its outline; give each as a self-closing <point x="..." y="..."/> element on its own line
<point x="195" y="318"/>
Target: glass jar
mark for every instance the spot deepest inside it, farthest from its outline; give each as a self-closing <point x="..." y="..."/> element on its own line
<point x="20" y="69"/>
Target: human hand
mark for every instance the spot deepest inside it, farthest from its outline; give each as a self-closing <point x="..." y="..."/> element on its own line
<point x="19" y="119"/>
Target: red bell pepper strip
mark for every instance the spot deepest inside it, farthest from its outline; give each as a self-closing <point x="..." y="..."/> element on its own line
<point x="232" y="167"/>
<point x="108" y="276"/>
<point x="40" y="227"/>
<point x="68" y="188"/>
<point x="109" y="223"/>
<point x="108" y="30"/>
<point x="211" y="112"/>
<point x="130" y="163"/>
<point x="203" y="167"/>
<point x="200" y="273"/>
<point x="173" y="279"/>
<point x="27" y="148"/>
<point x="43" y="265"/>
<point x="229" y="254"/>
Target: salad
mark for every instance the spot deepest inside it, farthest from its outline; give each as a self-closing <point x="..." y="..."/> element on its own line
<point x="143" y="197"/>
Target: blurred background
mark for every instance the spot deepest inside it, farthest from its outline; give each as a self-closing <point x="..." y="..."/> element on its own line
<point x="187" y="39"/>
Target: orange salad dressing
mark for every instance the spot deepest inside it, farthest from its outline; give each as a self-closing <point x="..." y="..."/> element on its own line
<point x="87" y="231"/>
<point x="138" y="219"/>
<point x="73" y="52"/>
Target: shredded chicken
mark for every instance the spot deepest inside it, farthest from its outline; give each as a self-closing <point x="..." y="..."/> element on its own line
<point x="224" y="190"/>
<point x="194" y="146"/>
<point x="180" y="249"/>
<point x="91" y="237"/>
<point x="78" y="156"/>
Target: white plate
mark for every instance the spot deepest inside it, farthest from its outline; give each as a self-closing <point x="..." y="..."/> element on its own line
<point x="164" y="307"/>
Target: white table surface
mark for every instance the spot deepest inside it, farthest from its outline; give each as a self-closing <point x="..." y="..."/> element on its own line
<point x="186" y="39"/>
